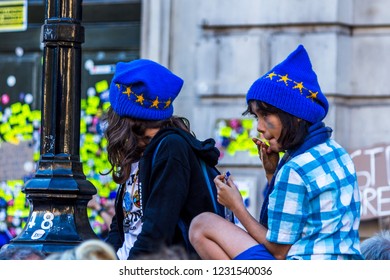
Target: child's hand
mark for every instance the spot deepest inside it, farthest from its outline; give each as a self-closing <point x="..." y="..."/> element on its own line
<point x="269" y="158"/>
<point x="227" y="193"/>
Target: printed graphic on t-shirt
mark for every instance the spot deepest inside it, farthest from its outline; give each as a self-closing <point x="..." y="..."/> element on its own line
<point x="132" y="205"/>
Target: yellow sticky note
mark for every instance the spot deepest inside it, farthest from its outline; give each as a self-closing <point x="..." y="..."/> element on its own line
<point x="13" y="119"/>
<point x="86" y="169"/>
<point x="113" y="185"/>
<point x="16" y="108"/>
<point x="101" y="86"/>
<point x="232" y="148"/>
<point x="26" y="109"/>
<point x="89" y="138"/>
<point x="106" y="105"/>
<point x="91" y="111"/>
<point x="104" y="142"/>
<point x="28" y="129"/>
<point x="247" y="124"/>
<point x="36" y="115"/>
<point x="83" y="104"/>
<point x="5" y="127"/>
<point x="253" y="152"/>
<point x="22" y="119"/>
<point x="36" y="156"/>
<point x="83" y="126"/>
<point x="93" y="101"/>
<point x="27" y="137"/>
<point x="104" y="192"/>
<point x="10" y="138"/>
<point x="92" y="147"/>
<point x="225" y="132"/>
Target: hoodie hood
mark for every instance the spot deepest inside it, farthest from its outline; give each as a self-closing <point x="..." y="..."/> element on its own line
<point x="205" y="150"/>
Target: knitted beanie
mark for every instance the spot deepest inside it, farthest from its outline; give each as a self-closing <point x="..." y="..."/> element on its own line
<point x="292" y="86"/>
<point x="144" y="89"/>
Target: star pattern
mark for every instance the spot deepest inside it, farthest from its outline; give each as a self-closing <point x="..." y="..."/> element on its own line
<point x="155" y="103"/>
<point x="139" y="98"/>
<point x="128" y="91"/>
<point x="285" y="79"/>
<point x="313" y="95"/>
<point x="271" y="75"/>
<point x="168" y="103"/>
<point x="297" y="85"/>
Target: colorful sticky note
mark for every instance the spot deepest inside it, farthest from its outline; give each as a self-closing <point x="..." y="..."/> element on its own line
<point x="101" y="86"/>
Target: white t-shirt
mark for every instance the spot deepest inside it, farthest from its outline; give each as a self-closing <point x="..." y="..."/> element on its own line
<point x="132" y="224"/>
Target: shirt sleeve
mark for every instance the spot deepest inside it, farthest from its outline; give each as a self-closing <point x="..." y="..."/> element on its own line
<point x="287" y="208"/>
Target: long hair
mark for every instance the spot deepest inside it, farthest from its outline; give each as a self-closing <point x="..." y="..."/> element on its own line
<point x="294" y="130"/>
<point x="125" y="135"/>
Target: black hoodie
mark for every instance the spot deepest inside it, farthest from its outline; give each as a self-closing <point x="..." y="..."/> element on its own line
<point x="174" y="191"/>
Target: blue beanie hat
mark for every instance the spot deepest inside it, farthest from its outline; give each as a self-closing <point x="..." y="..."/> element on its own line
<point x="292" y="86"/>
<point x="144" y="89"/>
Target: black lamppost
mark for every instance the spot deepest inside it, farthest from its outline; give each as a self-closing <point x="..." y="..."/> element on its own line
<point x="59" y="192"/>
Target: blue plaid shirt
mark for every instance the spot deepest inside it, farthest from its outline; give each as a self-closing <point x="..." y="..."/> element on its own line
<point x="315" y="205"/>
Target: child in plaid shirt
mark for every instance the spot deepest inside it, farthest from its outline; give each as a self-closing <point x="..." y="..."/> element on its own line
<point x="312" y="206"/>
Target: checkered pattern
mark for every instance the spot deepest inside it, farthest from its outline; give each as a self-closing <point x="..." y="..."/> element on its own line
<point x="316" y="205"/>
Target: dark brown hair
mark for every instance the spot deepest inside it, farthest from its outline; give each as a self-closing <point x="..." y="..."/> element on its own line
<point x="294" y="130"/>
<point x="124" y="135"/>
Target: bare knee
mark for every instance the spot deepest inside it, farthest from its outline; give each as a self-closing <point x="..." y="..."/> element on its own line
<point x="199" y="226"/>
